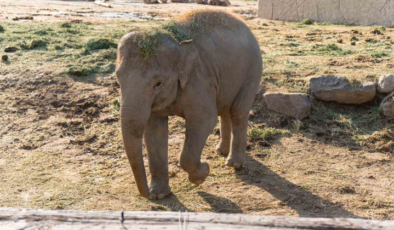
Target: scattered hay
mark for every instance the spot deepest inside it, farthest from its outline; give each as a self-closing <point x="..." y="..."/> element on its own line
<point x="382" y="141"/>
<point x="265" y="134"/>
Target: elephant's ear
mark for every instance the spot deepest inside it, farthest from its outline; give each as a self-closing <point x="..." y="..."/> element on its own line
<point x="188" y="63"/>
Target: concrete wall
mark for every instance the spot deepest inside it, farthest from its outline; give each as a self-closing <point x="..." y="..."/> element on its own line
<point x="348" y="12"/>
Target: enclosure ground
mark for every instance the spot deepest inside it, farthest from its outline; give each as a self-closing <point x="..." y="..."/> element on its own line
<point x="60" y="140"/>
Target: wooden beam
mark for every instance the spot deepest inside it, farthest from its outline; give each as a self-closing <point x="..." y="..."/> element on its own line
<point x="12" y="219"/>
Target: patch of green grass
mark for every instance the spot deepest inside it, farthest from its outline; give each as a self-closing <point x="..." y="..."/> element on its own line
<point x="97" y="44"/>
<point x="333" y="50"/>
<point x="293" y="45"/>
<point x="58" y="47"/>
<point x="307" y="21"/>
<point x="178" y="35"/>
<point x="266" y="134"/>
<point x="330" y="47"/>
<point x="1" y="29"/>
<point x="116" y="104"/>
<point x="65" y="25"/>
<point x="71" y="31"/>
<point x="82" y="71"/>
<point x="371" y="40"/>
<point x="34" y="44"/>
<point x="147" y="40"/>
<point x="380" y="55"/>
<point x="41" y="32"/>
<point x="381" y="28"/>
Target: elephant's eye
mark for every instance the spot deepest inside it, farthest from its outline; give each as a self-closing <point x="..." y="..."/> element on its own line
<point x="158" y="84"/>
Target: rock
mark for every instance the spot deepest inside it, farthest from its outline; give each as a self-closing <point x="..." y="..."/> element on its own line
<point x="339" y="89"/>
<point x="291" y="104"/>
<point x="202" y="1"/>
<point x="387" y="106"/>
<point x="10" y="49"/>
<point x="4" y="58"/>
<point x="151" y="1"/>
<point x="386" y="84"/>
<point x="219" y="2"/>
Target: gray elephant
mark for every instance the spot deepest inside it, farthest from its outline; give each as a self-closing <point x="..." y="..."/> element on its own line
<point x="204" y="64"/>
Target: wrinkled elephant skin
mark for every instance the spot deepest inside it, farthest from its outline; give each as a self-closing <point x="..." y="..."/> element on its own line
<point x="216" y="73"/>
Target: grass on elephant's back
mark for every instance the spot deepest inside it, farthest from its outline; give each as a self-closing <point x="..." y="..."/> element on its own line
<point x="187" y="27"/>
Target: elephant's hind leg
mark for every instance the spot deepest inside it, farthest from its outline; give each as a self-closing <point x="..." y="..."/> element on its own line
<point x="239" y="123"/>
<point x="156" y="140"/>
<point x="223" y="147"/>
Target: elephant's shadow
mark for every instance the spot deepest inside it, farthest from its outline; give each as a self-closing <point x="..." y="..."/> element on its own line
<point x="218" y="204"/>
<point x="305" y="203"/>
<point x="295" y="197"/>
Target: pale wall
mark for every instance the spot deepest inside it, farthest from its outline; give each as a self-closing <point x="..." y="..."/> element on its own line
<point x="348" y="12"/>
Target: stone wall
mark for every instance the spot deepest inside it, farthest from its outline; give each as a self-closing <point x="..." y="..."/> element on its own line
<point x="348" y="12"/>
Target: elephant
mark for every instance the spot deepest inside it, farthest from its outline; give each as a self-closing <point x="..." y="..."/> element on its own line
<point x="201" y="65"/>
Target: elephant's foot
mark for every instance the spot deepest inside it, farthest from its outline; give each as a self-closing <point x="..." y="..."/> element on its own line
<point x="235" y="160"/>
<point x="158" y="190"/>
<point x="222" y="151"/>
<point x="198" y="177"/>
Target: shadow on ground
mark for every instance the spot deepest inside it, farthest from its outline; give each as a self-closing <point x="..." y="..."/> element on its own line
<point x="218" y="204"/>
<point x="292" y="195"/>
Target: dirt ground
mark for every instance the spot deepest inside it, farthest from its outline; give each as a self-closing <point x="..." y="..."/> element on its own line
<point x="60" y="140"/>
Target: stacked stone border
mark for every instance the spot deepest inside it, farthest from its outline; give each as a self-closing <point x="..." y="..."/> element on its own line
<point x="335" y="89"/>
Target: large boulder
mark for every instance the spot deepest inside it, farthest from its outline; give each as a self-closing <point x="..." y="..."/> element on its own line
<point x="387" y="106"/>
<point x="291" y="104"/>
<point x="339" y="89"/>
<point x="386" y="84"/>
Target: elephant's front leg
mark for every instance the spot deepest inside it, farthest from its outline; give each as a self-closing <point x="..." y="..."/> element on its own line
<point x="156" y="140"/>
<point x="197" y="131"/>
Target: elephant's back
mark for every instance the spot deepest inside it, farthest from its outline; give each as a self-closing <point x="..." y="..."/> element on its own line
<point x="204" y="21"/>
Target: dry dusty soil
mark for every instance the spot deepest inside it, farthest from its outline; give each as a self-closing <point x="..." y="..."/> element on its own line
<point x="60" y="141"/>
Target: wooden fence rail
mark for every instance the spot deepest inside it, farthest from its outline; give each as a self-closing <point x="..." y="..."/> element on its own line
<point x="13" y="219"/>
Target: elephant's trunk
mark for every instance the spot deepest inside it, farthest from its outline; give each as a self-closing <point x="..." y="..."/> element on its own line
<point x="133" y="123"/>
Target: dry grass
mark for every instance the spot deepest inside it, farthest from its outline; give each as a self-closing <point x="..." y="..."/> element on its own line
<point x="61" y="148"/>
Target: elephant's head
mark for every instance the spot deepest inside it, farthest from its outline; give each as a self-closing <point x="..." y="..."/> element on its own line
<point x="151" y="70"/>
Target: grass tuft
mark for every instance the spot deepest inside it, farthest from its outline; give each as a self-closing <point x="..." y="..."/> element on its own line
<point x="34" y="44"/>
<point x="266" y="134"/>
<point x="380" y="55"/>
<point x="65" y="25"/>
<point x="330" y="47"/>
<point x="1" y="29"/>
<point x="307" y="21"/>
<point x="97" y="44"/>
<point x="82" y="71"/>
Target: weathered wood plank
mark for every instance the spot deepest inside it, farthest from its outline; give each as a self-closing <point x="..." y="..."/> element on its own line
<point x="12" y="219"/>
